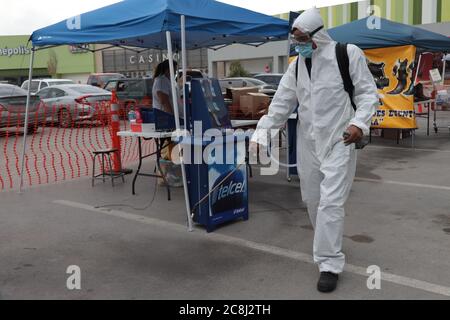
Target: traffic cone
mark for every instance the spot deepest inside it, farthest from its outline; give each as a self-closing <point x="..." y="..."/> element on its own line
<point x="116" y="143"/>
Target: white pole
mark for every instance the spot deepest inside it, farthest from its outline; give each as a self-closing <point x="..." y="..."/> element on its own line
<point x="25" y="128"/>
<point x="288" y="51"/>
<point x="389" y="9"/>
<point x="330" y="17"/>
<point x="177" y="124"/>
<point x="288" y="149"/>
<point x="183" y="54"/>
<point x="406" y="11"/>
<point x="444" y="66"/>
<point x="417" y="70"/>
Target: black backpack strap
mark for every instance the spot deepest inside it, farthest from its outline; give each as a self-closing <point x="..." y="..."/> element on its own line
<point x="308" y="63"/>
<point x="344" y="65"/>
<point x="296" y="69"/>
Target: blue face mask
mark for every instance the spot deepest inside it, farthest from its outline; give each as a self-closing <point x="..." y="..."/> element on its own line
<point x="305" y="50"/>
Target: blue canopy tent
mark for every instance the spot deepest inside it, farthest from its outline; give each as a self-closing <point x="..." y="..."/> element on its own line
<point x="365" y="35"/>
<point x="159" y="24"/>
<point x="143" y="23"/>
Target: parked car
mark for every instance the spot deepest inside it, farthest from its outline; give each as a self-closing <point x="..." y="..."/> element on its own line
<point x="66" y="104"/>
<point x="101" y="79"/>
<point x="272" y="79"/>
<point x="192" y="74"/>
<point x="131" y="93"/>
<point x="39" y="84"/>
<point x="13" y="101"/>
<point x="263" y="87"/>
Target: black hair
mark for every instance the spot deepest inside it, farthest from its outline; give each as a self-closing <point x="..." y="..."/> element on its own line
<point x="163" y="67"/>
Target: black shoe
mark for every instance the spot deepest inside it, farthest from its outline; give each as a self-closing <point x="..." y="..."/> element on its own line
<point x="327" y="282"/>
<point x="411" y="91"/>
<point x="401" y="85"/>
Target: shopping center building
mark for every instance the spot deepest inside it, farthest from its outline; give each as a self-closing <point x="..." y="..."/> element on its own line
<point x="138" y="62"/>
<point x="433" y="15"/>
<point x="68" y="62"/>
<point x="63" y="62"/>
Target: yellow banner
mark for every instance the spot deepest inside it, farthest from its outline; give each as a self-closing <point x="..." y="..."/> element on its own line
<point x="393" y="71"/>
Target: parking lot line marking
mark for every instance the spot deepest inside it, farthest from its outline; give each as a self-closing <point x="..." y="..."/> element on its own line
<point x="299" y="256"/>
<point x="405" y="184"/>
<point x="407" y="149"/>
<point x="400" y="183"/>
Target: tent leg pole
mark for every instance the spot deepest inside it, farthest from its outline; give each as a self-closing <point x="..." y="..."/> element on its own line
<point x="184" y="61"/>
<point x="25" y="126"/>
<point x="178" y="133"/>
<point x="417" y="70"/>
<point x="288" y="52"/>
<point x="444" y="66"/>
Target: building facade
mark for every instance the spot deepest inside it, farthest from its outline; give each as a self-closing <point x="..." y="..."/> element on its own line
<point x="142" y="63"/>
<point x="414" y="12"/>
<point x="68" y="62"/>
<point x="272" y="57"/>
<point x="60" y="62"/>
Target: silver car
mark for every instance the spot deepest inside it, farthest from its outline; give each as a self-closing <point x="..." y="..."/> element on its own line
<point x="272" y="79"/>
<point x="13" y="101"/>
<point x="39" y="84"/>
<point x="66" y="104"/>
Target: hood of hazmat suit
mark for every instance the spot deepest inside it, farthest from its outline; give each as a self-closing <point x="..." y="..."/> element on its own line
<point x="326" y="165"/>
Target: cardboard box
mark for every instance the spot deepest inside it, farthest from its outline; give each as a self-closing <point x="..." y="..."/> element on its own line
<point x="263" y="99"/>
<point x="253" y="103"/>
<point x="238" y="92"/>
<point x="246" y="104"/>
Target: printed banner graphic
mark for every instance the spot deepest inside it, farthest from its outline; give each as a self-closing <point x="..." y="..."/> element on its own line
<point x="228" y="184"/>
<point x="393" y="71"/>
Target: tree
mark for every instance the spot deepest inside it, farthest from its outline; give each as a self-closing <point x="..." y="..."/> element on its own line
<point x="236" y="70"/>
<point x="52" y="63"/>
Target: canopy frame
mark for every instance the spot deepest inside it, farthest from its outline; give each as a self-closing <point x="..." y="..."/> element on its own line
<point x="276" y="22"/>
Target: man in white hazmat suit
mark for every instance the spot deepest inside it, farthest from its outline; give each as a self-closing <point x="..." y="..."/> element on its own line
<point x="326" y="160"/>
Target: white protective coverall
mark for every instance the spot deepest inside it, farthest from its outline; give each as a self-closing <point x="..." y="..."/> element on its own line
<point x="326" y="166"/>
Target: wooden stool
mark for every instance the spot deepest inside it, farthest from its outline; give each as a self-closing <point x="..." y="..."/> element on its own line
<point x="106" y="154"/>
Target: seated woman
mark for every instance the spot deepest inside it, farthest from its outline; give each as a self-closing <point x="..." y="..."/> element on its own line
<point x="162" y="89"/>
<point x="162" y="100"/>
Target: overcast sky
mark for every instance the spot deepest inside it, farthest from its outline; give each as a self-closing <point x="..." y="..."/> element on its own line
<point x="19" y="17"/>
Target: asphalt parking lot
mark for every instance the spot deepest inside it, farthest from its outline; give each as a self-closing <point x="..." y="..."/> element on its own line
<point x="398" y="219"/>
